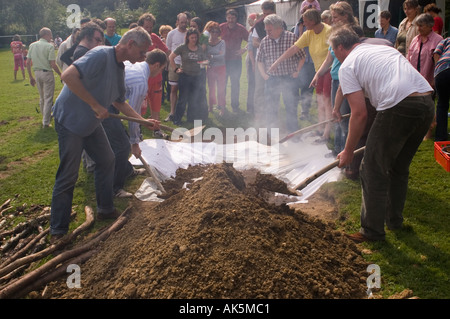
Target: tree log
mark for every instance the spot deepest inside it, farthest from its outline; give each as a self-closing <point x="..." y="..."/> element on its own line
<point x="24" y="250"/>
<point x="12" y="290"/>
<point x="22" y="226"/>
<point x="60" y="244"/>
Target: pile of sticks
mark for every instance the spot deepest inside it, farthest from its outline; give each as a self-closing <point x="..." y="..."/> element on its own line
<point x="26" y="245"/>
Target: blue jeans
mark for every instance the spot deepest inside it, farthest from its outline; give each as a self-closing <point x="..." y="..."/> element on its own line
<point x="341" y="128"/>
<point x="120" y="144"/>
<point x="287" y="87"/>
<point x="306" y="93"/>
<point x="393" y="140"/>
<point x="234" y="71"/>
<point x="70" y="149"/>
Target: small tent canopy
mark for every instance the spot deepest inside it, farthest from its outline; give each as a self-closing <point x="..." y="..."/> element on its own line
<point x="288" y="10"/>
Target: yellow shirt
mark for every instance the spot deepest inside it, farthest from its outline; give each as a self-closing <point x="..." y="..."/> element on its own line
<point x="317" y="44"/>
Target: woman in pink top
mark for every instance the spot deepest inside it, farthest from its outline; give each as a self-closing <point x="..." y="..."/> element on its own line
<point x="17" y="50"/>
<point x="421" y="50"/>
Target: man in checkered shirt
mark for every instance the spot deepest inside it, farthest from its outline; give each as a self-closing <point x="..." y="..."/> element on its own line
<point x="281" y="81"/>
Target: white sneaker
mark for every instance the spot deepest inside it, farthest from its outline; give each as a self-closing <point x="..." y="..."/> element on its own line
<point x="121" y="193"/>
<point x="139" y="171"/>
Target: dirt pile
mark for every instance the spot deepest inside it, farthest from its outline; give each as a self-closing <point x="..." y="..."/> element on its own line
<point x="219" y="239"/>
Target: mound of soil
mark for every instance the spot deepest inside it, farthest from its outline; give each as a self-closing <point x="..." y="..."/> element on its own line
<point x="220" y="239"/>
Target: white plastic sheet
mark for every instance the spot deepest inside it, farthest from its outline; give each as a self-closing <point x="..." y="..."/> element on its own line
<point x="291" y="162"/>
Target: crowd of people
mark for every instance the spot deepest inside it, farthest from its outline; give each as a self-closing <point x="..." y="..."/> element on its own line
<point x="191" y="63"/>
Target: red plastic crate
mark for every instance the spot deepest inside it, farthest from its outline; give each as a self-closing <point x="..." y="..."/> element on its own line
<point x="442" y="158"/>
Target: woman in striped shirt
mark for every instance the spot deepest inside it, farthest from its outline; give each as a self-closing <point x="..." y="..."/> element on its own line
<point x="442" y="83"/>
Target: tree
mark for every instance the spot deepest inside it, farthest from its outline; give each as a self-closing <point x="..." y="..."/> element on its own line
<point x="29" y="16"/>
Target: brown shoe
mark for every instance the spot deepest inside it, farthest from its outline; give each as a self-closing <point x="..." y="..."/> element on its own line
<point x="114" y="215"/>
<point x="358" y="237"/>
<point x="55" y="238"/>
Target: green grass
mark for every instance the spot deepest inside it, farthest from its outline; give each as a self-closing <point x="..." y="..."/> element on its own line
<point x="416" y="258"/>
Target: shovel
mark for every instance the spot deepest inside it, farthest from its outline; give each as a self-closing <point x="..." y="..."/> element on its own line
<point x="190" y="133"/>
<point x="308" y="128"/>
<point x="150" y="171"/>
<point x="322" y="171"/>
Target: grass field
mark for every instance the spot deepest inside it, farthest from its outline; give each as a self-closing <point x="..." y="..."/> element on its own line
<point x="417" y="257"/>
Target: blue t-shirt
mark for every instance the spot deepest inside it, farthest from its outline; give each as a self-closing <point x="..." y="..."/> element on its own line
<point x="335" y="66"/>
<point x="390" y="35"/>
<point x="114" y="39"/>
<point x="103" y="77"/>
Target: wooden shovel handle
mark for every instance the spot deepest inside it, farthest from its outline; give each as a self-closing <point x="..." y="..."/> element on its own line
<point x="322" y="171"/>
<point x="308" y="128"/>
<point x="152" y="174"/>
<point x="143" y="122"/>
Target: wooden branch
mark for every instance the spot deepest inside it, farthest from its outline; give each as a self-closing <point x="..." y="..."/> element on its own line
<point x="61" y="243"/>
<point x="24" y="250"/>
<point x="5" y="210"/>
<point x="55" y="274"/>
<point x="11" y="277"/>
<point x="14" y="240"/>
<point x="6" y="203"/>
<point x="20" y="227"/>
<point x="13" y="290"/>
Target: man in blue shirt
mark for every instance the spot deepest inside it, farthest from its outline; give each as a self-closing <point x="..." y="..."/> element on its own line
<point x="93" y="82"/>
<point x="111" y="34"/>
<point x="386" y="30"/>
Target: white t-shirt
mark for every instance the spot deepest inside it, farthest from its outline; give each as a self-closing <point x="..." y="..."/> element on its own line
<point x="175" y="38"/>
<point x="384" y="74"/>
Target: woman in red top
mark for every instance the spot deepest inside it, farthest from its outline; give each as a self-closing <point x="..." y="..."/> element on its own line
<point x="434" y="11"/>
<point x="17" y="50"/>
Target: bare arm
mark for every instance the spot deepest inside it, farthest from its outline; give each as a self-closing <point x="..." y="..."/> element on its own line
<point x="323" y="69"/>
<point x="30" y="74"/>
<point x="299" y="68"/>
<point x="172" y="63"/>
<point x="337" y="103"/>
<point x="356" y="127"/>
<point x="436" y="58"/>
<point x="262" y="71"/>
<point x="286" y="55"/>
<point x="55" y="67"/>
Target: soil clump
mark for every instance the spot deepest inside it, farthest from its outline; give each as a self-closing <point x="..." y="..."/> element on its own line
<point x="219" y="238"/>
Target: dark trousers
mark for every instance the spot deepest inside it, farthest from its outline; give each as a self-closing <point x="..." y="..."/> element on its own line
<point x="191" y="94"/>
<point x="442" y="82"/>
<point x="251" y="85"/>
<point x="393" y="140"/>
<point x="120" y="144"/>
<point x="284" y="86"/>
<point x="70" y="149"/>
<point x="165" y="86"/>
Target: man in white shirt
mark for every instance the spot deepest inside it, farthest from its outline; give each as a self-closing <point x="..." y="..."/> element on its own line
<point x="136" y="85"/>
<point x="175" y="38"/>
<point x="405" y="109"/>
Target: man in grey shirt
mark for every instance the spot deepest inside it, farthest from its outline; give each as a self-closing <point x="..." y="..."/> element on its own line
<point x="93" y="82"/>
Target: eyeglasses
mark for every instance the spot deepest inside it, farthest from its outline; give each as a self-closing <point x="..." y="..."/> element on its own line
<point x="98" y="40"/>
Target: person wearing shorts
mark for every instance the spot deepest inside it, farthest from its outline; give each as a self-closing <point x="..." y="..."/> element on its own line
<point x="17" y="50"/>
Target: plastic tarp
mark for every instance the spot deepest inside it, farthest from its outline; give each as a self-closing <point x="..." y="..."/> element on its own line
<point x="291" y="162"/>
